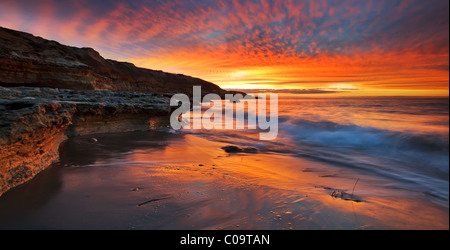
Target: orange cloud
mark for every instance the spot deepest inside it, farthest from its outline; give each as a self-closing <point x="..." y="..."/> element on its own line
<point x="372" y="45"/>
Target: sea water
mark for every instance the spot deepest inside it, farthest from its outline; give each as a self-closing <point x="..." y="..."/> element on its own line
<point x="405" y="139"/>
<point x="391" y="152"/>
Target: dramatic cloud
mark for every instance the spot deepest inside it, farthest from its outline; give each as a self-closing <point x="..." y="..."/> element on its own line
<point x="374" y="44"/>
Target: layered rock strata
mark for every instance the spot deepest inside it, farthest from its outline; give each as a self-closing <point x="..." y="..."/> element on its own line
<point x="27" y="60"/>
<point x="34" y="122"/>
<point x="56" y="91"/>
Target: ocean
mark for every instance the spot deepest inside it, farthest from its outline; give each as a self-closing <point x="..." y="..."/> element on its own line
<point x="336" y="163"/>
<point x="403" y="139"/>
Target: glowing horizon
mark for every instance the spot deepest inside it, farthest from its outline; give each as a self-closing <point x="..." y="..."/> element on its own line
<point x="363" y="48"/>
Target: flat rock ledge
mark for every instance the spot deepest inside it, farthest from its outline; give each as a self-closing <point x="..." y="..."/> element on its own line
<point x="35" y="121"/>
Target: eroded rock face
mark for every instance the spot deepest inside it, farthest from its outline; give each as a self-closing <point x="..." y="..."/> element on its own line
<point x="62" y="98"/>
<point x="34" y="121"/>
<point x="26" y="60"/>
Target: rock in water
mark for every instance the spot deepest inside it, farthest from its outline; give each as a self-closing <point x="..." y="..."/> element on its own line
<point x="234" y="149"/>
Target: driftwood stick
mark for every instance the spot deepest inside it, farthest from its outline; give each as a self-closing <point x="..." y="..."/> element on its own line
<point x="152" y="200"/>
<point x="354" y="186"/>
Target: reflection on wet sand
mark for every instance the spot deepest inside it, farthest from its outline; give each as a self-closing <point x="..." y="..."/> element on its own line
<point x="157" y="180"/>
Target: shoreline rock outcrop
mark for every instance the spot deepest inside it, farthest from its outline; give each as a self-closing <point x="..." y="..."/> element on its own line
<point x="52" y="92"/>
<point x="27" y="60"/>
<point x="35" y="121"/>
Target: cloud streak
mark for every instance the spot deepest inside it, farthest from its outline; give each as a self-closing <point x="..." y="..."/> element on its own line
<point x="379" y="44"/>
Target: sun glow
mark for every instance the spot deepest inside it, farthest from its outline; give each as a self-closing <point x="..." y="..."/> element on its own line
<point x="239" y="75"/>
<point x="396" y="47"/>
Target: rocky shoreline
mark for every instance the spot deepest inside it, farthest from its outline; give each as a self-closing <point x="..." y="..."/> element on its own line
<point x="35" y="121"/>
<point x="50" y="92"/>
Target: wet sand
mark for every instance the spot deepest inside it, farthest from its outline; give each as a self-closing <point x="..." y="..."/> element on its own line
<point x="159" y="180"/>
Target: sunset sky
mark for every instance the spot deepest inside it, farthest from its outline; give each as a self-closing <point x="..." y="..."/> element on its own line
<point x="371" y="47"/>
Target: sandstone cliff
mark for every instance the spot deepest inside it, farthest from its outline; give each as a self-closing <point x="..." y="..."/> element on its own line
<point x="56" y="91"/>
<point x="34" y="122"/>
<point x="26" y="60"/>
